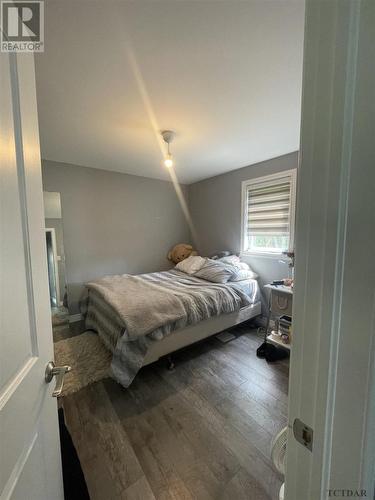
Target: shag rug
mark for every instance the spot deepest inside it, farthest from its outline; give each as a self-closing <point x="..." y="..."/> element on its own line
<point x="89" y="359"/>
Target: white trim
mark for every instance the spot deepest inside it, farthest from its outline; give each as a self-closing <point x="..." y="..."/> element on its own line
<point x="29" y="407"/>
<point x="343" y="202"/>
<point x="73" y="318"/>
<point x="270" y="255"/>
<point x="267" y="255"/>
<point x="292" y="174"/>
<point x="331" y="374"/>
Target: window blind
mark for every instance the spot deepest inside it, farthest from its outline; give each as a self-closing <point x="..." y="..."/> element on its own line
<point x="268" y="208"/>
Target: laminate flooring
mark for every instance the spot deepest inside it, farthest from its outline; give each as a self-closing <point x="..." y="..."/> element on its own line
<point x="202" y="431"/>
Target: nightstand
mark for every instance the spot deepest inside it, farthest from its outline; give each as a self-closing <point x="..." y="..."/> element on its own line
<point x="280" y="303"/>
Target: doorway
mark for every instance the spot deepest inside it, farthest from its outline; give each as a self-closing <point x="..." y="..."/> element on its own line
<point x="55" y="255"/>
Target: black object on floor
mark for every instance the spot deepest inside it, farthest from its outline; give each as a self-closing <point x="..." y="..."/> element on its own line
<point x="74" y="481"/>
<point x="271" y="353"/>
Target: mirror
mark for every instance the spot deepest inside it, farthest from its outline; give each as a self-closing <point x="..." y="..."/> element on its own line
<point x="55" y="258"/>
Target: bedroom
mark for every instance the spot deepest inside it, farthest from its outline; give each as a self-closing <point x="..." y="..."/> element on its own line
<point x="170" y="164"/>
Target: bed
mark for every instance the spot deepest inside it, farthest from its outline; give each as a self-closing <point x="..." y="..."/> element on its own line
<point x="145" y="317"/>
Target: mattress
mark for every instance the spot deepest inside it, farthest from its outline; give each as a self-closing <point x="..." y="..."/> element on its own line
<point x="104" y="320"/>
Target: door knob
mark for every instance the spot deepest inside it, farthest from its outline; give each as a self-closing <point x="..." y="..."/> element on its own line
<point x="59" y="373"/>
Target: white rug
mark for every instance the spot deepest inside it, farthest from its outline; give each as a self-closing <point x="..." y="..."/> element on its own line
<point x="89" y="359"/>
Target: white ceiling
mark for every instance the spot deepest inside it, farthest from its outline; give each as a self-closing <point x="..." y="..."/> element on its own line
<point x="225" y="75"/>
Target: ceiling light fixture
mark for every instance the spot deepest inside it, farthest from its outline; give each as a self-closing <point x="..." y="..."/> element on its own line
<point x="168" y="136"/>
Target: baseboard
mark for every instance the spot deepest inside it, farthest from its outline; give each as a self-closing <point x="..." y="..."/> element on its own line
<point x="73" y="318"/>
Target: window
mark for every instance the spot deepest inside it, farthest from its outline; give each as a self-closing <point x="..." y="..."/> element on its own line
<point x="268" y="213"/>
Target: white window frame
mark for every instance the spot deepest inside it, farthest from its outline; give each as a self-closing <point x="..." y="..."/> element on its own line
<point x="244" y="207"/>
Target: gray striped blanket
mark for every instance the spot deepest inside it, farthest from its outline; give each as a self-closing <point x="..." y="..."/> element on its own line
<point x="130" y="312"/>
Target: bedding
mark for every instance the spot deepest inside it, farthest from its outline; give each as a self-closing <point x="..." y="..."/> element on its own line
<point x="249" y="286"/>
<point x="131" y="312"/>
<point x="235" y="261"/>
<point x="216" y="272"/>
<point x="243" y="274"/>
<point x="191" y="265"/>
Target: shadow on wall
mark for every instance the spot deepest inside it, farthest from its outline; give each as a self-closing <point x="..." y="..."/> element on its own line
<point x="114" y="223"/>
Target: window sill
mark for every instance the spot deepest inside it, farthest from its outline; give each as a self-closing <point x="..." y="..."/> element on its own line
<point x="267" y="255"/>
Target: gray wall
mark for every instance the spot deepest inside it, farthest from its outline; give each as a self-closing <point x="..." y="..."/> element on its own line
<point x="119" y="223"/>
<point x="113" y="223"/>
<point x="215" y="206"/>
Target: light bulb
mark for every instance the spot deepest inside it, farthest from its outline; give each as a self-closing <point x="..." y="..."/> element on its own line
<point x="168" y="162"/>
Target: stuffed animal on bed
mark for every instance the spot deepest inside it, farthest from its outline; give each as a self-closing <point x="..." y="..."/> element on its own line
<point x="180" y="252"/>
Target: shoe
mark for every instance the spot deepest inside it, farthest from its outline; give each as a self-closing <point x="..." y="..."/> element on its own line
<point x="271" y="353"/>
<point x="261" y="351"/>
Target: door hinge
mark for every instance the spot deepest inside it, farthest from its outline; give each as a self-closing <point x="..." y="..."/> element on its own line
<point x="303" y="434"/>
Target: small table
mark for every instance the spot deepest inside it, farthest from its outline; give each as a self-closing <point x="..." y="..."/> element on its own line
<point x="280" y="303"/>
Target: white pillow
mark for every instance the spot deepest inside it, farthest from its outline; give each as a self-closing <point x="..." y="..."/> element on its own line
<point x="235" y="261"/>
<point x="244" y="274"/>
<point x="216" y="272"/>
<point x="191" y="265"/>
<point x="245" y="266"/>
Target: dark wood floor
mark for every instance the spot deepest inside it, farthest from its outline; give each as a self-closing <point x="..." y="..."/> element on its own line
<point x="202" y="431"/>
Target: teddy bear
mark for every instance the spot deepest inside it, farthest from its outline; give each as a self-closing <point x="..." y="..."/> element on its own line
<point x="180" y="252"/>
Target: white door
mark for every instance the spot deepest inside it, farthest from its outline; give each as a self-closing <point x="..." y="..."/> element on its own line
<point x="332" y="365"/>
<point x="30" y="467"/>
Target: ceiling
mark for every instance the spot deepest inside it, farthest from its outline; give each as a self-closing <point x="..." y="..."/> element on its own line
<point x="224" y="75"/>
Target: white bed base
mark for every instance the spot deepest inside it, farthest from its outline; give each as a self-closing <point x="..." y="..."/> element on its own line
<point x="191" y="334"/>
